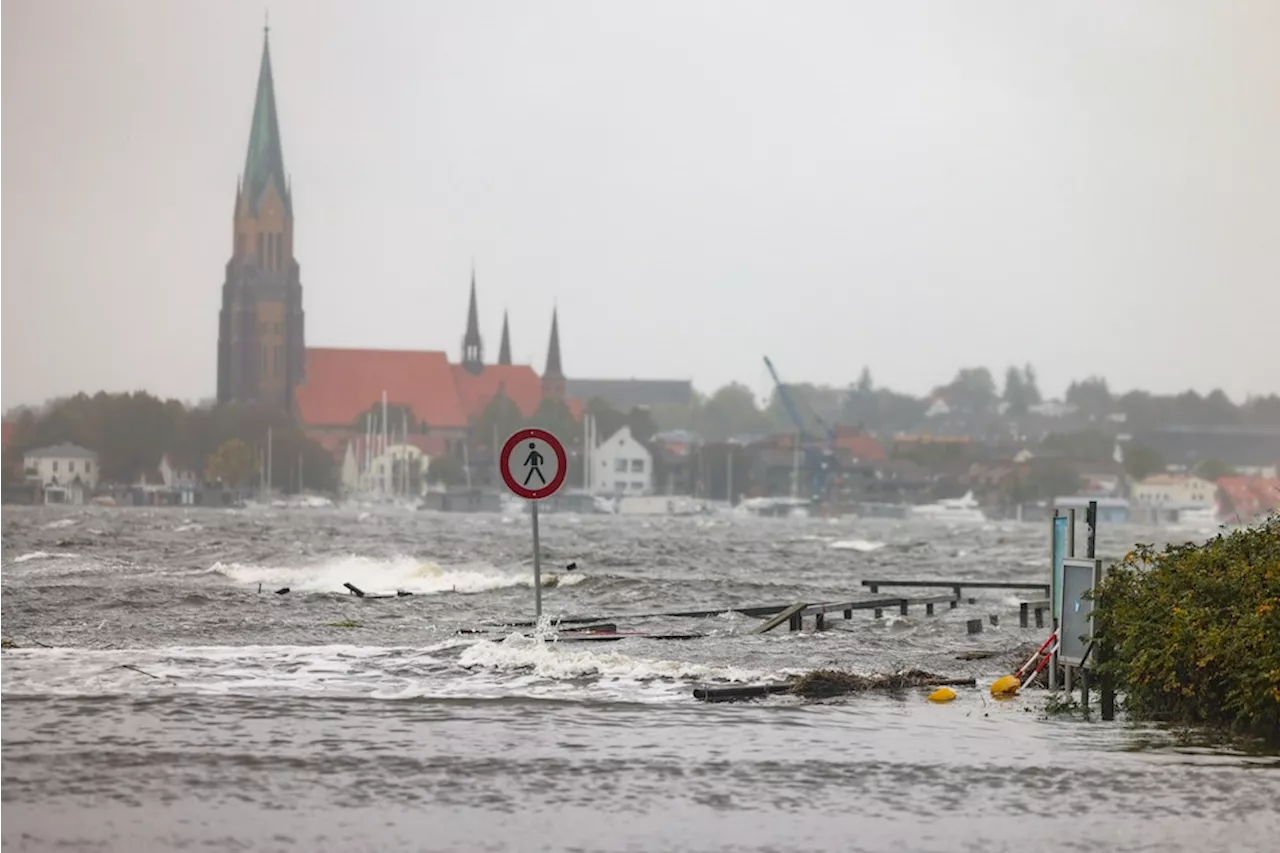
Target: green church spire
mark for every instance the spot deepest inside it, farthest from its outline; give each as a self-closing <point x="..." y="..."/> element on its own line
<point x="264" y="163"/>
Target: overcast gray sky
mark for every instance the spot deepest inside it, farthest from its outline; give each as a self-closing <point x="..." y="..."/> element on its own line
<point x="1090" y="187"/>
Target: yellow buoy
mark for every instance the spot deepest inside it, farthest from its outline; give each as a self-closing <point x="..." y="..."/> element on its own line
<point x="942" y="694"/>
<point x="1005" y="686"/>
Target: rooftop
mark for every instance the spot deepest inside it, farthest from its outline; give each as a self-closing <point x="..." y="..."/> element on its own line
<point x="66" y="450"/>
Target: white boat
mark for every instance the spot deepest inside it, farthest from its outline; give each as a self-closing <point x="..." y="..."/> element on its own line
<point x="964" y="509"/>
<point x="1200" y="517"/>
<point x="779" y="507"/>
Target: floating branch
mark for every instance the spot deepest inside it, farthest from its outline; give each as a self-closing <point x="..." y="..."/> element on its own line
<point x="825" y="683"/>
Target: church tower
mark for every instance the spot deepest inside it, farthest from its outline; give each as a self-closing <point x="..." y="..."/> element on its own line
<point x="504" y="349"/>
<point x="472" y="346"/>
<point x="261" y="353"/>
<point x="553" y="383"/>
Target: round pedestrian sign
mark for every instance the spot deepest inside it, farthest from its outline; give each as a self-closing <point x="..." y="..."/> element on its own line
<point x="533" y="464"/>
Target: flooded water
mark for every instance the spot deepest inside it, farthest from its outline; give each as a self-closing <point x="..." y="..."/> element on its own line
<point x="158" y="701"/>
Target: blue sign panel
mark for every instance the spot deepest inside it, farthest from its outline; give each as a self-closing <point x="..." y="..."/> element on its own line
<point x="1059" y="554"/>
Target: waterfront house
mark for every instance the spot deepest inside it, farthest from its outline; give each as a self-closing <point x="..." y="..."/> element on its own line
<point x="65" y="473"/>
<point x="621" y="466"/>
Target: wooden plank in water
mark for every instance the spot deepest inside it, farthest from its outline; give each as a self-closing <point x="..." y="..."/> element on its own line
<point x="875" y="584"/>
<point x="708" y="613"/>
<point x="782" y="617"/>
<point x="739" y="692"/>
<point x="879" y="602"/>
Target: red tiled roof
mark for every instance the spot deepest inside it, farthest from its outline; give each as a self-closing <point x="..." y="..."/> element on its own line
<point x="576" y="408"/>
<point x="1250" y="496"/>
<point x="342" y="383"/>
<point x="861" y="445"/>
<point x="6" y="433"/>
<point x="518" y="381"/>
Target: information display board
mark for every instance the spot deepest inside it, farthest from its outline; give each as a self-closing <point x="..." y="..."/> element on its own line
<point x="1060" y="533"/>
<point x="1079" y="577"/>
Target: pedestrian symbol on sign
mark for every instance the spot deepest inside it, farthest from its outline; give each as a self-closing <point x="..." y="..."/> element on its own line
<point x="534" y="463"/>
<point x="534" y="454"/>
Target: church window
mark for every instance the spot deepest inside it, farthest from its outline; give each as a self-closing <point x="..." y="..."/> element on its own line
<point x="260" y="254"/>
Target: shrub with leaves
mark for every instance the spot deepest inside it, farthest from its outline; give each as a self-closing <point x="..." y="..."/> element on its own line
<point x="1195" y="630"/>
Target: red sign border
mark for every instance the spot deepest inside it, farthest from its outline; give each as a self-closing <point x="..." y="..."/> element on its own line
<point x="562" y="464"/>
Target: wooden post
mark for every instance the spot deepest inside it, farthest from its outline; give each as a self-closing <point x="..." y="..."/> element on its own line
<point x="1091" y="521"/>
<point x="1022" y="614"/>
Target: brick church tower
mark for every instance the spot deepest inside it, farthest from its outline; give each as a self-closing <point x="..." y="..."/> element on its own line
<point x="261" y="353"/>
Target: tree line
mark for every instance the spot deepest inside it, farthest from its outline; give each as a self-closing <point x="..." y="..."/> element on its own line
<point x="973" y="394"/>
<point x="132" y="432"/>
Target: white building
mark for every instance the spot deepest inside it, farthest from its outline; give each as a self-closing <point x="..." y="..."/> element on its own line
<point x="399" y="469"/>
<point x="67" y="473"/>
<point x="620" y="465"/>
<point x="1175" y="491"/>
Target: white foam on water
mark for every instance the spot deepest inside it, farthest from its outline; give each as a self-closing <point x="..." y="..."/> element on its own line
<point x="307" y="670"/>
<point x="517" y="666"/>
<point x="547" y="659"/>
<point x="410" y="574"/>
<point x="61" y="522"/>
<point x="861" y="545"/>
<point x="41" y="555"/>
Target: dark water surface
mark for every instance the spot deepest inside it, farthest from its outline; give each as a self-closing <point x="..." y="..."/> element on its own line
<point x="176" y="707"/>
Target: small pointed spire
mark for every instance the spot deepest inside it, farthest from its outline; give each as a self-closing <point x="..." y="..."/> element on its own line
<point x="504" y="349"/>
<point x="472" y="345"/>
<point x="554" y="370"/>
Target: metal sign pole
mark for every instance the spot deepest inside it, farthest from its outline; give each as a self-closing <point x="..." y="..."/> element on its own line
<point x="1055" y="593"/>
<point x="537" y="563"/>
<point x="526" y="456"/>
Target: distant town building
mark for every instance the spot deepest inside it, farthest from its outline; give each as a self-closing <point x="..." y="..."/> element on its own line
<point x="1174" y="491"/>
<point x="1251" y="450"/>
<point x="627" y="394"/>
<point x="1248" y="498"/>
<point x="66" y="473"/>
<point x="621" y="466"/>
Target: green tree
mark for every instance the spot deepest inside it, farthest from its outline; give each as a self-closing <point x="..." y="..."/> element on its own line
<point x="1194" y="628"/>
<point x="501" y="417"/>
<point x="1141" y="461"/>
<point x="1015" y="391"/>
<point x="732" y="410"/>
<point x="973" y="390"/>
<point x="1091" y="396"/>
<point x="1045" y="482"/>
<point x="1089" y="445"/>
<point x="1031" y="386"/>
<point x="1213" y="470"/>
<point x="608" y="420"/>
<point x="234" y="464"/>
<point x="643" y="427"/>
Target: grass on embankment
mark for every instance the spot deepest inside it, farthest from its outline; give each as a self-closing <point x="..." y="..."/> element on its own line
<point x="1195" y="631"/>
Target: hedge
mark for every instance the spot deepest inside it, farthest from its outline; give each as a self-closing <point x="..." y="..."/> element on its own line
<point x="1195" y="631"/>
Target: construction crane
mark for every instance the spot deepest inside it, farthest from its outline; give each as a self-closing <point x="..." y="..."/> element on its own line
<point x="820" y="453"/>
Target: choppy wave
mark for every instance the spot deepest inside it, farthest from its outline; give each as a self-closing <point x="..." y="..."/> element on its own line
<point x="409" y="574"/>
<point x="862" y="545"/>
<point x="532" y="666"/>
